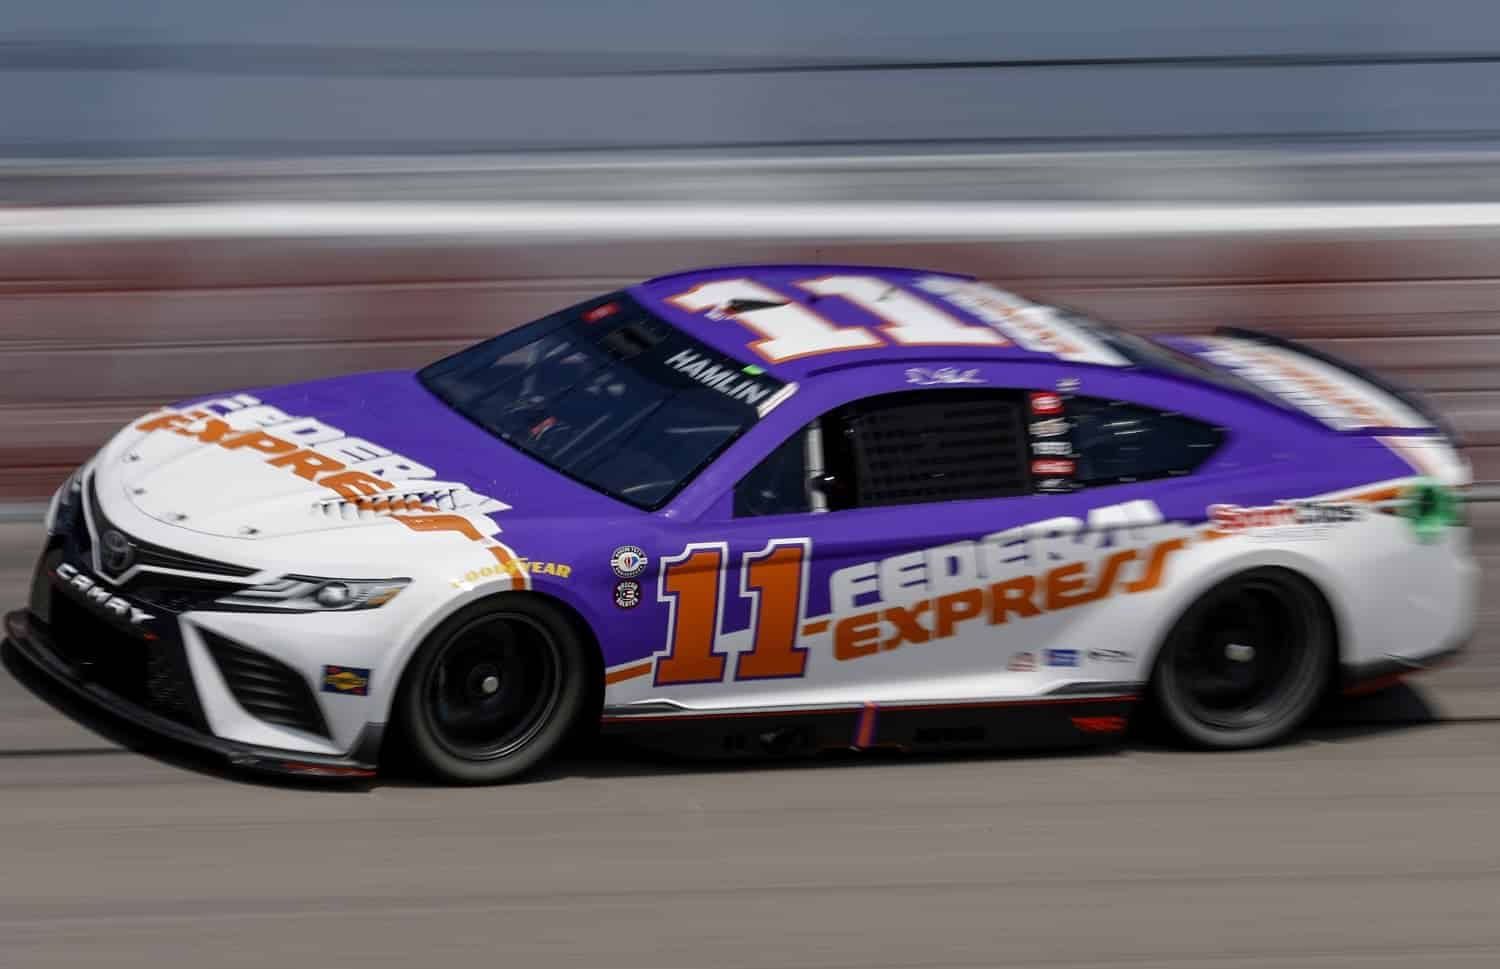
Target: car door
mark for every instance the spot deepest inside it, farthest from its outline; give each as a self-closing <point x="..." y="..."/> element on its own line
<point x="937" y="545"/>
<point x="850" y="565"/>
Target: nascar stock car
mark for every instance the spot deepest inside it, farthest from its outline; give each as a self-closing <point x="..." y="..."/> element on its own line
<point x="766" y="509"/>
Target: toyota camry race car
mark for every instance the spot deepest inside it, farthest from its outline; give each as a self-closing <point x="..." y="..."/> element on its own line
<point x="768" y="509"/>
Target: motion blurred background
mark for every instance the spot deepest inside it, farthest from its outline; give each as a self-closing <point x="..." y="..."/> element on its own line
<point x="199" y="195"/>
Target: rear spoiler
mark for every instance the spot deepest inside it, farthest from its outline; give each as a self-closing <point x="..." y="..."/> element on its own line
<point x="1404" y="395"/>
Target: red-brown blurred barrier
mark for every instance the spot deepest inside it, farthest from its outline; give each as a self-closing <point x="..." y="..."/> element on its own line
<point x="92" y="333"/>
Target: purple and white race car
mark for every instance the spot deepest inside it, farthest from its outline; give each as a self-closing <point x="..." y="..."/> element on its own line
<point x="761" y="509"/>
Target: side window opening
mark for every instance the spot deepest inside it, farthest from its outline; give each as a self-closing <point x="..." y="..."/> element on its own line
<point x="1087" y="442"/>
<point x="781" y="483"/>
<point x="914" y="447"/>
<point x="909" y="447"/>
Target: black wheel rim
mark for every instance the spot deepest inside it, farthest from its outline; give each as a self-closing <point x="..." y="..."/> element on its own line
<point x="492" y="687"/>
<point x="1240" y="662"/>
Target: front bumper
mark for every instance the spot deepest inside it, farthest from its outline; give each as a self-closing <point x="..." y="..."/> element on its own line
<point x="34" y="643"/>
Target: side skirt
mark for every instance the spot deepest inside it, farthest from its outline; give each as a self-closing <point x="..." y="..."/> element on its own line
<point x="1053" y="721"/>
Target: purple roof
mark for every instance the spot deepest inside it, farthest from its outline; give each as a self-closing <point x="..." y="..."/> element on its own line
<point x="969" y="303"/>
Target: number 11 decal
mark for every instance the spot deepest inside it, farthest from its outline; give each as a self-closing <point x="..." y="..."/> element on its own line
<point x="692" y="585"/>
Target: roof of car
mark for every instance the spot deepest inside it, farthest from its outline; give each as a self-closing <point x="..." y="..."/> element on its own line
<point x="854" y="315"/>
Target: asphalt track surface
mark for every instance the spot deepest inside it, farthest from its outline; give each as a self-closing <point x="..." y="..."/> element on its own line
<point x="1369" y="841"/>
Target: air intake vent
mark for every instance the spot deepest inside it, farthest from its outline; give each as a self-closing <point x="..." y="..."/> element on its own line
<point x="150" y="673"/>
<point x="430" y="498"/>
<point x="265" y="687"/>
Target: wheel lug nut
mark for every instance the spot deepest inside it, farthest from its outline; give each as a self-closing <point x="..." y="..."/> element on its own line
<point x="1239" y="653"/>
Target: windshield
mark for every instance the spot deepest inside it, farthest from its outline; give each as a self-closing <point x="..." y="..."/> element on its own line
<point x="607" y="394"/>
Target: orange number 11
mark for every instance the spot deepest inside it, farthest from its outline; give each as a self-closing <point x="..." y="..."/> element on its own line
<point x="775" y="578"/>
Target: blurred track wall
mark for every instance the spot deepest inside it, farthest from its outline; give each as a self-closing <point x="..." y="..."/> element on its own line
<point x="96" y="332"/>
<point x="280" y="78"/>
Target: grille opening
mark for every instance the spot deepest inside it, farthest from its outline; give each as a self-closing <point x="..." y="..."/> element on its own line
<point x="178" y="593"/>
<point x="266" y="688"/>
<point x="150" y="674"/>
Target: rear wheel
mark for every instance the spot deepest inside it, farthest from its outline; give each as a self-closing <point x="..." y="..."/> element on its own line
<point x="1247" y="663"/>
<point x="493" y="691"/>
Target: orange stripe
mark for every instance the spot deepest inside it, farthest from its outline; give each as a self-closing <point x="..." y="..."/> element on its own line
<point x="1379" y="683"/>
<point x="627" y="673"/>
<point x="866" y="733"/>
<point x="508" y="562"/>
<point x="814" y="627"/>
<point x="1380" y="494"/>
<point x="441" y="523"/>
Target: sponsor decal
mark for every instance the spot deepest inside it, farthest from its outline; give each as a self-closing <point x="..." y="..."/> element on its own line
<point x="1046" y="403"/>
<point x="1022" y="663"/>
<point x="1338" y="399"/>
<point x="1053" y="467"/>
<point x="627" y="594"/>
<point x="923" y="377"/>
<point x="348" y="680"/>
<point x="1031" y="326"/>
<point x="1055" y="449"/>
<point x="1235" y="519"/>
<point x="533" y="567"/>
<point x="1062" y="657"/>
<point x="357" y="470"/>
<point x="1099" y="724"/>
<point x="530" y="567"/>
<point x="628" y="561"/>
<point x="1057" y="485"/>
<point x="1111" y="656"/>
<point x="352" y="467"/>
<point x="1051" y="427"/>
<point x="1068" y="385"/>
<point x="1013" y="575"/>
<point x="726" y="380"/>
<point x="100" y="598"/>
<point x="922" y="596"/>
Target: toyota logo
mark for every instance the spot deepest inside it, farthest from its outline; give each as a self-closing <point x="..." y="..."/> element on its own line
<point x="117" y="552"/>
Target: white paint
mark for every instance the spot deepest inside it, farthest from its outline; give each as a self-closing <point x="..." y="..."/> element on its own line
<point x="602" y="222"/>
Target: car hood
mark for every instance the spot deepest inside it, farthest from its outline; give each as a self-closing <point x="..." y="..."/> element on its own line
<point x="385" y="426"/>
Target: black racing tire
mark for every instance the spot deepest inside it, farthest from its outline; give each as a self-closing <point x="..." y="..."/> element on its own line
<point x="494" y="690"/>
<point x="1247" y="663"/>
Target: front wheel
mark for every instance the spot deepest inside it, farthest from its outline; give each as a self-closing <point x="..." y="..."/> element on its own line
<point x="493" y="691"/>
<point x="1247" y="663"/>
